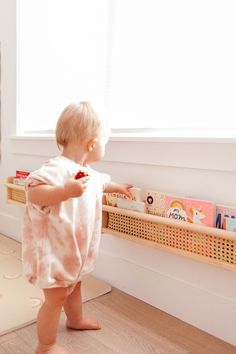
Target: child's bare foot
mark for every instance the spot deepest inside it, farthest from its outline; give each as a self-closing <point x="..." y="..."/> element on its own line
<point x="53" y="349"/>
<point x="83" y="324"/>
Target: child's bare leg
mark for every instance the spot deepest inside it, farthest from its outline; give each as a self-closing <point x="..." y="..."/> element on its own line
<point x="47" y="321"/>
<point x="73" y="310"/>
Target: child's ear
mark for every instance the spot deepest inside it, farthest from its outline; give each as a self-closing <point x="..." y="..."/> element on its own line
<point x="91" y="144"/>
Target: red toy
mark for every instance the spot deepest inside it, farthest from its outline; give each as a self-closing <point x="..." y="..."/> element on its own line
<point x="81" y="174"/>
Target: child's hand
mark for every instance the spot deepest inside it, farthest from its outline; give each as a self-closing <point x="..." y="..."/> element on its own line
<point x="121" y="188"/>
<point x="124" y="189"/>
<point x="75" y="187"/>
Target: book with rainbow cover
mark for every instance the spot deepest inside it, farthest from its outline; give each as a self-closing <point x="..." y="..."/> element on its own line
<point x="195" y="211"/>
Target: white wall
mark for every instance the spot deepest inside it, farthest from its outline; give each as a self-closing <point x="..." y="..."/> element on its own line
<point x="8" y="92"/>
<point x="200" y="294"/>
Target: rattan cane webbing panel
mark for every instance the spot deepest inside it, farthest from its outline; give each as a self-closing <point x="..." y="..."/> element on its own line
<point x="18" y="195"/>
<point x="15" y="193"/>
<point x="176" y="237"/>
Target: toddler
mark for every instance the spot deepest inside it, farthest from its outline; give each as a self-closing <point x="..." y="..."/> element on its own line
<point x="62" y="222"/>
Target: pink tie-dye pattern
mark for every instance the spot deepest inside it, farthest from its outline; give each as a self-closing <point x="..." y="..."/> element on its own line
<point x="60" y="242"/>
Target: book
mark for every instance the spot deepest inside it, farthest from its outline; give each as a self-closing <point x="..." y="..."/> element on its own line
<point x="112" y="198"/>
<point x="224" y="211"/>
<point x="19" y="181"/>
<point x="131" y="205"/>
<point x="154" y="201"/>
<point x="136" y="194"/>
<point x="229" y="224"/>
<point x="22" y="174"/>
<point x="195" y="211"/>
<point x="121" y="201"/>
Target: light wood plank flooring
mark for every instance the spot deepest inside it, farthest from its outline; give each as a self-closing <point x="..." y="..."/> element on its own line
<point x="129" y="326"/>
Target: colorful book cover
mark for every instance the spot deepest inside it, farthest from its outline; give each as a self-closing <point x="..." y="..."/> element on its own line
<point x="195" y="211"/>
<point x="154" y="201"/>
<point x="22" y="174"/>
<point x="229" y="224"/>
<point x="224" y="211"/>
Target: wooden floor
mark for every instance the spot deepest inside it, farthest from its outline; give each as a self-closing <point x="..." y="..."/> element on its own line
<point x="129" y="326"/>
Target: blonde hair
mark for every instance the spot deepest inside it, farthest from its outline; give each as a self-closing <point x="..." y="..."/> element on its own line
<point x="77" y="122"/>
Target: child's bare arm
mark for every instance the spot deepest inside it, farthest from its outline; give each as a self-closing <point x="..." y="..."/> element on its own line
<point x="45" y="195"/>
<point x="123" y="188"/>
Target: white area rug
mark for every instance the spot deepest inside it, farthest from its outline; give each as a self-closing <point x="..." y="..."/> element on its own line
<point x="19" y="300"/>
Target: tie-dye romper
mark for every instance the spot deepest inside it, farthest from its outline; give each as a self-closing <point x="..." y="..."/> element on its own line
<point x="60" y="242"/>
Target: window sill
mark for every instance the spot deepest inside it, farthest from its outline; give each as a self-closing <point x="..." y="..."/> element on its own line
<point x="149" y="138"/>
<point x="191" y="153"/>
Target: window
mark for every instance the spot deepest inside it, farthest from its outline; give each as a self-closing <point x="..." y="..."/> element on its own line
<point x="62" y="58"/>
<point x="152" y="64"/>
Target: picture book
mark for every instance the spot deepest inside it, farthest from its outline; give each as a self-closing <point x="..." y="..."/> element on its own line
<point x="112" y="198"/>
<point x="22" y="174"/>
<point x="19" y="181"/>
<point x="136" y="194"/>
<point x="120" y="201"/>
<point x="224" y="211"/>
<point x="154" y="201"/>
<point x="131" y="205"/>
<point x="229" y="224"/>
<point x="190" y="210"/>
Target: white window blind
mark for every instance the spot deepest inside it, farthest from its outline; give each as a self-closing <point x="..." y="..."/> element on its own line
<point x="62" y="58"/>
<point x="153" y="64"/>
